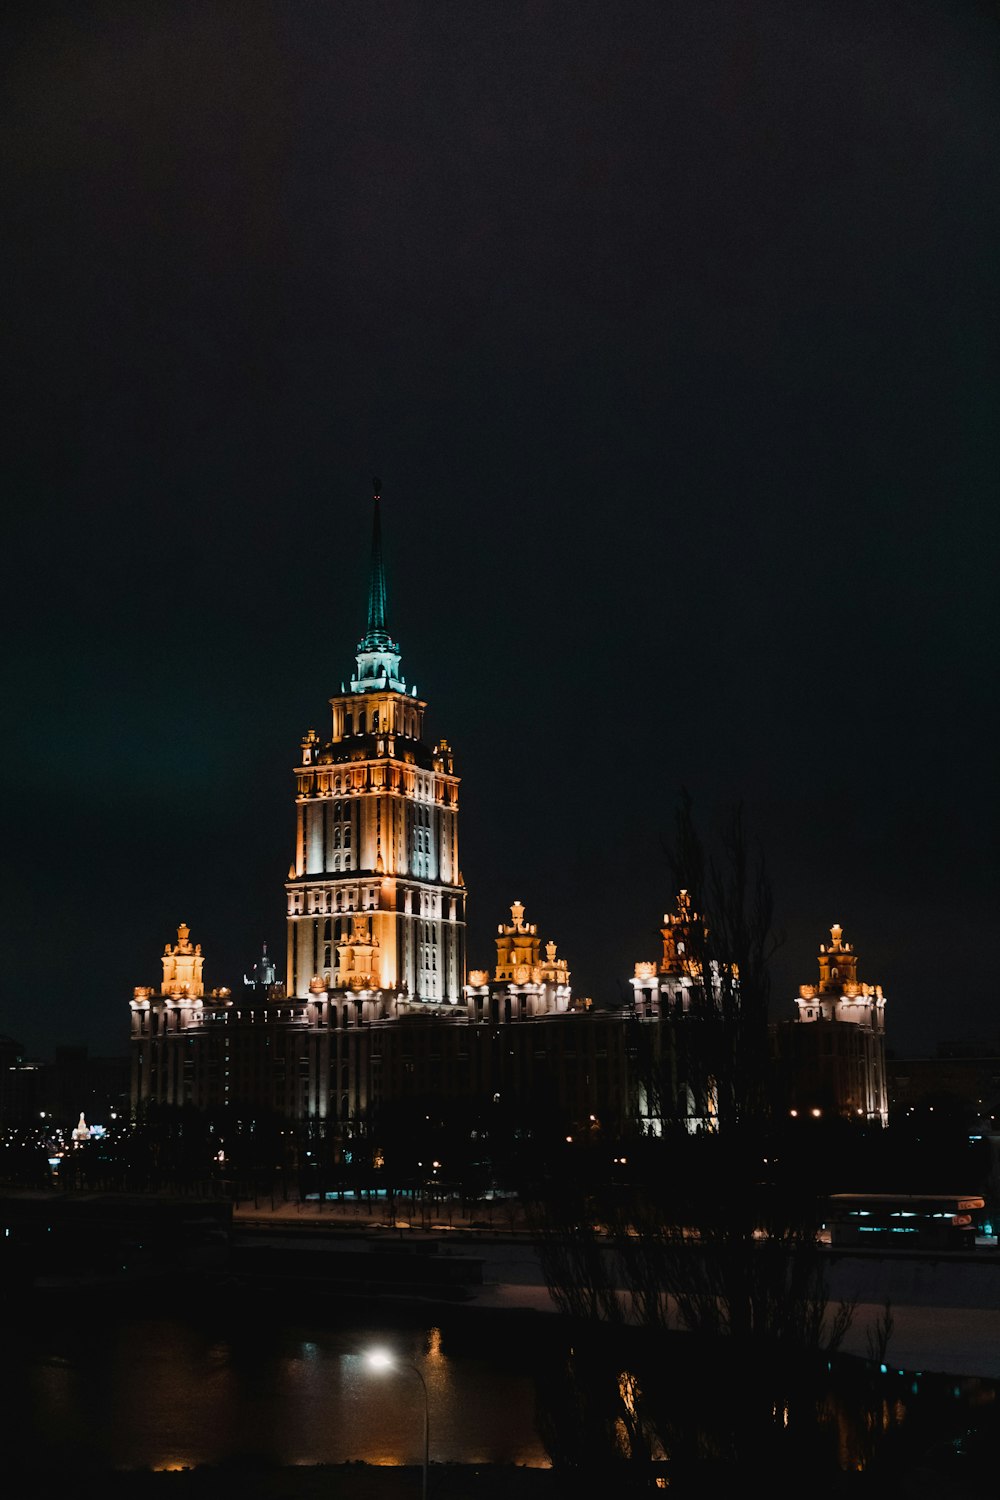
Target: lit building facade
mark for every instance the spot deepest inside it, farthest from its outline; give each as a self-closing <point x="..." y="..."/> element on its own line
<point x="179" y="1036"/>
<point x="669" y="1002"/>
<point x="375" y="1006"/>
<point x="832" y="1055"/>
<point x="376" y="902"/>
<point x="338" y="1056"/>
<point x="524" y="984"/>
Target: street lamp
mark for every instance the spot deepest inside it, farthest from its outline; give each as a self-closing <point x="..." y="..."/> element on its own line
<point x="381" y="1360"/>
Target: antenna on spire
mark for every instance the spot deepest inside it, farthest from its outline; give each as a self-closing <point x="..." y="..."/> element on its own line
<point x="377" y="487"/>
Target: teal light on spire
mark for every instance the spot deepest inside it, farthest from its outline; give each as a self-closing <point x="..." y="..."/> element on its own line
<point x="378" y="653"/>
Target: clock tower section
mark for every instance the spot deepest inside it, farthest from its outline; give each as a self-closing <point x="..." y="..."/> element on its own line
<point x="376" y="901"/>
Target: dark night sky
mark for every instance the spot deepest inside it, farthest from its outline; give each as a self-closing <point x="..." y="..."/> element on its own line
<point x="671" y="330"/>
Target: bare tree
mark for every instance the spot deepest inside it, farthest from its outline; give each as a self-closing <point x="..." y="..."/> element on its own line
<point x="731" y="942"/>
<point x="712" y="1234"/>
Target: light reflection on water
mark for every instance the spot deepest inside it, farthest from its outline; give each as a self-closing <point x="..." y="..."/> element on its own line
<point x="243" y="1383"/>
<point x="162" y="1393"/>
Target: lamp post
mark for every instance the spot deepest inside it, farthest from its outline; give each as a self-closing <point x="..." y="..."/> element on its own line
<point x="381" y="1359"/>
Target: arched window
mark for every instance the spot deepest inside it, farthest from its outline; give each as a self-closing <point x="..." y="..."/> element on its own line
<point x="348" y="726"/>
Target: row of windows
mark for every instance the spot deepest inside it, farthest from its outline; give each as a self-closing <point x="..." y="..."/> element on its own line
<point x="327" y="901"/>
<point x="362" y="721"/>
<point x="377" y="776"/>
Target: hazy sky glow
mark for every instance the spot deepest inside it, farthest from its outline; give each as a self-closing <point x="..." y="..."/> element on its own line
<point x="671" y="331"/>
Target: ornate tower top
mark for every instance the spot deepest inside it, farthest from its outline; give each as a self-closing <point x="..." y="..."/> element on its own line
<point x="182" y="966"/>
<point x="378" y="654"/>
<point x="519" y="957"/>
<point x="838" y="964"/>
<point x="683" y="934"/>
<point x="838" y="981"/>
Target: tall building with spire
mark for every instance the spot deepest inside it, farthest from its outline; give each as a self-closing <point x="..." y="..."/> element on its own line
<point x="375" y="1008"/>
<point x="375" y="895"/>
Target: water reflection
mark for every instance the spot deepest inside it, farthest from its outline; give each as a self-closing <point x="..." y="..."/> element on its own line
<point x="704" y="1412"/>
<point x="163" y="1393"/>
<point x="148" y="1391"/>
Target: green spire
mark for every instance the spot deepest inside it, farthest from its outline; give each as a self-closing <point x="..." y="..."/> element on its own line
<point x="376" y="633"/>
<point x="377" y="654"/>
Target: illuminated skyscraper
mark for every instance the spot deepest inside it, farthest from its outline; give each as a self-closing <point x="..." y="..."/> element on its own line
<point x="375" y="918"/>
<point x="376" y="1010"/>
<point x="376" y="900"/>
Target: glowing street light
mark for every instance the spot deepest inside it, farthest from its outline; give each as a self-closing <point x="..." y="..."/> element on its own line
<point x="382" y="1360"/>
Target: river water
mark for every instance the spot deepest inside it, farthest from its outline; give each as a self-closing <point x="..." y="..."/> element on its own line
<point x="153" y="1390"/>
<point x="171" y="1376"/>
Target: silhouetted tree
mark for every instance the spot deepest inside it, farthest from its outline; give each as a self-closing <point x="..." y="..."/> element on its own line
<point x="709" y="1232"/>
<point x="730" y="945"/>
